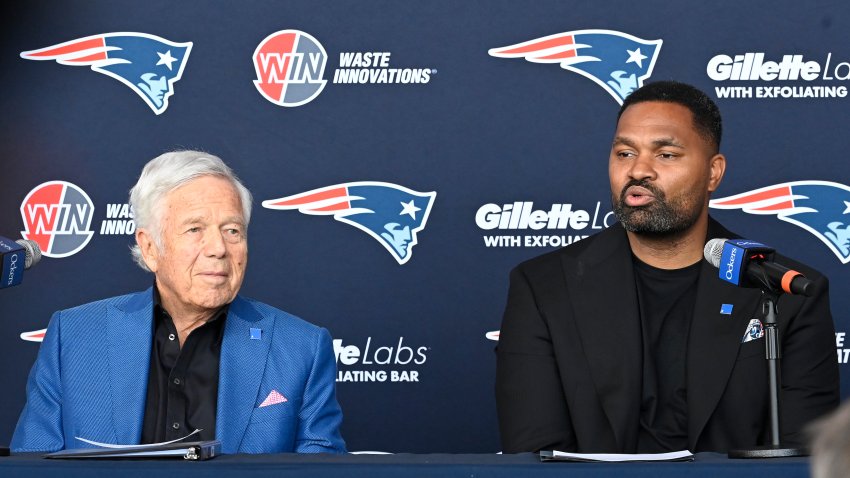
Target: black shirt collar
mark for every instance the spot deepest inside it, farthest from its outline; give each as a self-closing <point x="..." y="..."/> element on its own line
<point x="160" y="314"/>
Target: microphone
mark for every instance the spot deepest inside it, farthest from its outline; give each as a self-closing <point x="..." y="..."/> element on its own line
<point x="747" y="263"/>
<point x="15" y="256"/>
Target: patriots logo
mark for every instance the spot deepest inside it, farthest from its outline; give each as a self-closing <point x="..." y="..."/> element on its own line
<point x="618" y="62"/>
<point x="820" y="207"/>
<point x="390" y="213"/>
<point x="34" y="336"/>
<point x="148" y="64"/>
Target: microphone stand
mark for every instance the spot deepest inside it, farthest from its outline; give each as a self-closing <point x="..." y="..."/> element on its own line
<point x="772" y="354"/>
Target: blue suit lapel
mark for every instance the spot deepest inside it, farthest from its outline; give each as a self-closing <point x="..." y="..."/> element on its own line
<point x="129" y="334"/>
<point x="242" y="363"/>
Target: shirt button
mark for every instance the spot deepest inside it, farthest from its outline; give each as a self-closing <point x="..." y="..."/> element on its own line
<point x="176" y="381"/>
<point x="170" y="336"/>
<point x="175" y="426"/>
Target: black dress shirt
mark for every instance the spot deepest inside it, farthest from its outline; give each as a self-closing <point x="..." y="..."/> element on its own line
<point x="182" y="383"/>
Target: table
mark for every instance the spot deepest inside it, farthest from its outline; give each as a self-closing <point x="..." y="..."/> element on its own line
<point x="706" y="465"/>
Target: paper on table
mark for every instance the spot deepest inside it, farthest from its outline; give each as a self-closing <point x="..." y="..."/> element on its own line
<point x="197" y="450"/>
<point x="555" y="455"/>
<point x="141" y="447"/>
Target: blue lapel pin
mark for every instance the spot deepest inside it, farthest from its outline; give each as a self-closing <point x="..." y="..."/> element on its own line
<point x="726" y="309"/>
<point x="256" y="334"/>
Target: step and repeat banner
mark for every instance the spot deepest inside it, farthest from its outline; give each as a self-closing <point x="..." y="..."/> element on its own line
<point x="478" y="132"/>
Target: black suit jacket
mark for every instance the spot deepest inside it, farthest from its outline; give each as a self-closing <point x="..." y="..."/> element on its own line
<point x="569" y="359"/>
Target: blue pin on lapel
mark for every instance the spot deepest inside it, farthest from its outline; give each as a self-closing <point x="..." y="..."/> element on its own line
<point x="256" y="334"/>
<point x="726" y="309"/>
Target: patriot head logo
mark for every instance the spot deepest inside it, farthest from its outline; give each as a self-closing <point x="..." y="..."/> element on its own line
<point x="148" y="64"/>
<point x="618" y="62"/>
<point x="820" y="207"/>
<point x="57" y="215"/>
<point x="290" y="65"/>
<point x="390" y="213"/>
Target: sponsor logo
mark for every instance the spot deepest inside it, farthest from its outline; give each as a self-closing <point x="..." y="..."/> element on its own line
<point x="754" y="67"/>
<point x="147" y="64"/>
<point x="12" y="267"/>
<point x="616" y="61"/>
<point x="391" y="214"/>
<point x="746" y="244"/>
<point x="119" y="220"/>
<point x="378" y="363"/>
<point x="522" y="216"/>
<point x="290" y="68"/>
<point x="820" y="207"/>
<point x="57" y="215"/>
<point x="374" y="68"/>
<point x="290" y="65"/>
<point x="843" y="354"/>
<point x="730" y="266"/>
<point x="12" y="255"/>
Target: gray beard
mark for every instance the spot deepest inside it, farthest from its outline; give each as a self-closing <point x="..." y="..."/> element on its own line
<point x="657" y="219"/>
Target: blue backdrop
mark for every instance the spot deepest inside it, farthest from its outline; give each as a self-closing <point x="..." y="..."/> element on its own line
<point x="285" y="92"/>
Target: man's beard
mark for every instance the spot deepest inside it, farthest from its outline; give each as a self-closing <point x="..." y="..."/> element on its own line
<point x="660" y="217"/>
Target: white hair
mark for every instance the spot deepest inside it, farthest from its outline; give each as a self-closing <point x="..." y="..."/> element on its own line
<point x="166" y="173"/>
<point x="831" y="444"/>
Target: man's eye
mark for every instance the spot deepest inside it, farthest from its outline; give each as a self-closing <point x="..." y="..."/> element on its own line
<point x="625" y="154"/>
<point x="233" y="234"/>
<point x="194" y="229"/>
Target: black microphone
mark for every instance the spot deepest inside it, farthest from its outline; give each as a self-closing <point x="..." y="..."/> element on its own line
<point x="15" y="256"/>
<point x="750" y="264"/>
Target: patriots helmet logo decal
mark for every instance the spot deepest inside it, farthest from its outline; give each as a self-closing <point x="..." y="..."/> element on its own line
<point x="148" y="64"/>
<point x="391" y="214"/>
<point x="618" y="62"/>
<point x="820" y="207"/>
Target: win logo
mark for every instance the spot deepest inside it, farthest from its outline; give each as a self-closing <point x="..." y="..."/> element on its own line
<point x="290" y="66"/>
<point x="57" y="215"/>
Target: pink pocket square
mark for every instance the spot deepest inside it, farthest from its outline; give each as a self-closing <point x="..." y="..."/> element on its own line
<point x="273" y="399"/>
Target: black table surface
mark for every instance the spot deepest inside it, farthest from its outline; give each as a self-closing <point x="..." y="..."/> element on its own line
<point x="398" y="465"/>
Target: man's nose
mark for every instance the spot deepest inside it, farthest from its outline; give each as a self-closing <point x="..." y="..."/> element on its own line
<point x="214" y="245"/>
<point x="643" y="167"/>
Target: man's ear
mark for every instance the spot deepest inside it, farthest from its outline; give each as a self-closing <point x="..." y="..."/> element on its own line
<point x="150" y="252"/>
<point x="717" y="166"/>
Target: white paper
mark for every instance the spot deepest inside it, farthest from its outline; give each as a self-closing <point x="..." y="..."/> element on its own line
<point x="616" y="457"/>
<point x="140" y="447"/>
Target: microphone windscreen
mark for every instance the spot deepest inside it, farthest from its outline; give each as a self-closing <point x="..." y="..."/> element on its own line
<point x="713" y="250"/>
<point x="32" y="251"/>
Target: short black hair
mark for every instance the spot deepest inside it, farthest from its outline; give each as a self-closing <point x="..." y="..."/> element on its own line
<point x="706" y="115"/>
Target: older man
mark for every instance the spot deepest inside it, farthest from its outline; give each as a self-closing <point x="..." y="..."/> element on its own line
<point x="628" y="341"/>
<point x="189" y="353"/>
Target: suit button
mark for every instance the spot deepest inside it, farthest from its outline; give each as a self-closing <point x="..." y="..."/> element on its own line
<point x="176" y="381"/>
<point x="175" y="426"/>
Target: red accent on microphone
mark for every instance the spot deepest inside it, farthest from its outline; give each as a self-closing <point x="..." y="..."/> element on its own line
<point x="787" y="278"/>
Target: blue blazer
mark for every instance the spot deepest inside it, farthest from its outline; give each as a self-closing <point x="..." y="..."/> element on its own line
<point x="91" y="375"/>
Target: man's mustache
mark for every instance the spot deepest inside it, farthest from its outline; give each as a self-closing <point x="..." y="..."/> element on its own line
<point x="658" y="193"/>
